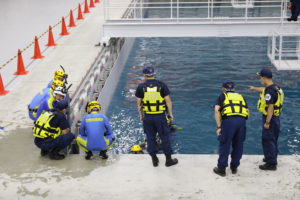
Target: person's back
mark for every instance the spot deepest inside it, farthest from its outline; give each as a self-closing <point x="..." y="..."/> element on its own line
<point x="95" y="127"/>
<point x="95" y="132"/>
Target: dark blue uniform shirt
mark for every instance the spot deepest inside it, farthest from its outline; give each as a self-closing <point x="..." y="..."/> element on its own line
<point x="271" y="95"/>
<point x="139" y="93"/>
<point x="59" y="120"/>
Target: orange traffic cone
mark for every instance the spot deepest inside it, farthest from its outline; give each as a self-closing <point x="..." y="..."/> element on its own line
<point x="80" y="15"/>
<point x="97" y="1"/>
<point x="20" y="69"/>
<point x="72" y="22"/>
<point x="37" y="51"/>
<point x="86" y="7"/>
<point x="92" y="5"/>
<point x="51" y="41"/>
<point x="2" y="89"/>
<point x="64" y="30"/>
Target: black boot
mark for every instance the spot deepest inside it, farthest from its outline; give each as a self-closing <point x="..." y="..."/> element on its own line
<point x="264" y="160"/>
<point x="170" y="161"/>
<point x="155" y="160"/>
<point x="88" y="155"/>
<point x="233" y="170"/>
<point x="220" y="171"/>
<point x="44" y="152"/>
<point x="103" y="154"/>
<point x="54" y="155"/>
<point x="268" y="166"/>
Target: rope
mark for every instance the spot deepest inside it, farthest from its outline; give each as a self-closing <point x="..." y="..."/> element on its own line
<point x="29" y="45"/>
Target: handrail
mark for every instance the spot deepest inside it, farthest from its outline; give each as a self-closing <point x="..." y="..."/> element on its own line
<point x="175" y="8"/>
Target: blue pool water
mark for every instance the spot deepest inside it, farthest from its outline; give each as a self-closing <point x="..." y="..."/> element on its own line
<point x="194" y="69"/>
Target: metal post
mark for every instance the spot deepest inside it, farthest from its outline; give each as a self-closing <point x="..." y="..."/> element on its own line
<point x="141" y="11"/>
<point x="273" y="46"/>
<point x="104" y="10"/>
<point x="280" y="49"/>
<point x="212" y="10"/>
<point x="134" y="7"/>
<point x="177" y="11"/>
<point x="282" y="8"/>
<point x="171" y="2"/>
<point x="208" y="9"/>
<point x="246" y="10"/>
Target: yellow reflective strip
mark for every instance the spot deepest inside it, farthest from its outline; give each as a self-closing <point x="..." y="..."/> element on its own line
<point x="82" y="143"/>
<point x="94" y="120"/>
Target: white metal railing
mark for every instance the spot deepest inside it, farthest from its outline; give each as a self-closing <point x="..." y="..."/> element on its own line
<point x="175" y="11"/>
<point x="284" y="46"/>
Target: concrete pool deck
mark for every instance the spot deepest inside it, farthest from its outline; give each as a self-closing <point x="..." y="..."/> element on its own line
<point x="26" y="175"/>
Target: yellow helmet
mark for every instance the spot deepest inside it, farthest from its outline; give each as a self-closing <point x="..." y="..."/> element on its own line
<point x="57" y="83"/>
<point x="136" y="148"/>
<point x="59" y="75"/>
<point x="93" y="106"/>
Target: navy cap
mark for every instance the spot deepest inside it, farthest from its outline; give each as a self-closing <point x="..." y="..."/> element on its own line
<point x="63" y="104"/>
<point x="229" y="85"/>
<point x="148" y="70"/>
<point x="265" y="73"/>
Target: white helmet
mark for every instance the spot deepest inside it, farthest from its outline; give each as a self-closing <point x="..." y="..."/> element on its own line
<point x="59" y="90"/>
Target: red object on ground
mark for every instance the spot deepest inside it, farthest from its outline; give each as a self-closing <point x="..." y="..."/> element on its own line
<point x="20" y="68"/>
<point x="72" y="22"/>
<point x="86" y="7"/>
<point x="64" y="30"/>
<point x="80" y="15"/>
<point x="97" y="1"/>
<point x="51" y="41"/>
<point x="2" y="89"/>
<point x="37" y="51"/>
<point x="92" y="5"/>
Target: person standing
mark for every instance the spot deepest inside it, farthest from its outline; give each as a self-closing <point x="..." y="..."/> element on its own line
<point x="231" y="112"/>
<point x="270" y="105"/>
<point x="153" y="101"/>
<point x="295" y="10"/>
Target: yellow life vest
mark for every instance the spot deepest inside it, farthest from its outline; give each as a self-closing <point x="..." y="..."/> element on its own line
<point x="234" y="105"/>
<point x="42" y="128"/>
<point x="262" y="105"/>
<point x="153" y="102"/>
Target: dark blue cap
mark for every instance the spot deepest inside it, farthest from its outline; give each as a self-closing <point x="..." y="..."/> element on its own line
<point x="229" y="85"/>
<point x="63" y="104"/>
<point x="148" y="70"/>
<point x="265" y="73"/>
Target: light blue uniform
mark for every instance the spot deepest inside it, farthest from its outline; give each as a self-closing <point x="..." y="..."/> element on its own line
<point x="50" y="84"/>
<point x="95" y="133"/>
<point x="37" y="101"/>
<point x="48" y="104"/>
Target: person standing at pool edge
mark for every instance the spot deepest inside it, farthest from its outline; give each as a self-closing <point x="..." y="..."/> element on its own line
<point x="270" y="105"/>
<point x="153" y="100"/>
<point x="231" y="112"/>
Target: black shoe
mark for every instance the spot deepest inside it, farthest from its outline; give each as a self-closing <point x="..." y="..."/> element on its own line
<point x="289" y="19"/>
<point x="268" y="166"/>
<point x="220" y="171"/>
<point x="155" y="160"/>
<point x="264" y="160"/>
<point x="103" y="155"/>
<point x="170" y="162"/>
<point x="233" y="170"/>
<point x="44" y="152"/>
<point x="88" y="156"/>
<point x="54" y="155"/>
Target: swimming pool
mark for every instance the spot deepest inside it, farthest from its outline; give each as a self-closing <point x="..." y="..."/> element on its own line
<point x="194" y="69"/>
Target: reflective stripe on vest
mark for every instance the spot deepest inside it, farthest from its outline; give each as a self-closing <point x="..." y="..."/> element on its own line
<point x="153" y="102"/>
<point x="262" y="105"/>
<point x="42" y="128"/>
<point x="234" y="105"/>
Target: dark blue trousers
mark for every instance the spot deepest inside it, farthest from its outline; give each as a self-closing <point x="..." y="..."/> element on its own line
<point x="153" y="124"/>
<point x="233" y="134"/>
<point x="295" y="10"/>
<point x="60" y="142"/>
<point x="270" y="138"/>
